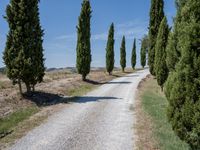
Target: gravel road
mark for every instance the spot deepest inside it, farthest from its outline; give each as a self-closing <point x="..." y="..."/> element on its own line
<point x="101" y="120"/>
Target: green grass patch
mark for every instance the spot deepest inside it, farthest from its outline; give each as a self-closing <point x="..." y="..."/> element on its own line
<point x="8" y="123"/>
<point x="81" y="90"/>
<point x="155" y="105"/>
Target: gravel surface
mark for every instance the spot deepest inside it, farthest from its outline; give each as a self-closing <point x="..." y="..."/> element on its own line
<point x="101" y="120"/>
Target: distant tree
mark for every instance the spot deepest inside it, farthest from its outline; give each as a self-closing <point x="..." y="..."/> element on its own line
<point x="145" y="41"/>
<point x="160" y="53"/>
<point x="110" y="60"/>
<point x="182" y="86"/>
<point x="143" y="51"/>
<point x="123" y="53"/>
<point x="23" y="55"/>
<point x="134" y="55"/>
<point x="83" y="60"/>
<point x="156" y="16"/>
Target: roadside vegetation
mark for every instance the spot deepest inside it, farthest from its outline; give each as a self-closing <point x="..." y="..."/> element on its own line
<point x="153" y="128"/>
<point x="8" y="123"/>
<point x="174" y="60"/>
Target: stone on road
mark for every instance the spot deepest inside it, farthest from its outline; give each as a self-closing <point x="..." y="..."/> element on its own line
<point x="101" y="120"/>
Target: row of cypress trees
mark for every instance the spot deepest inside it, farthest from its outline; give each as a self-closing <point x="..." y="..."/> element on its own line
<point x="23" y="55"/>
<point x="83" y="60"/>
<point x="176" y="65"/>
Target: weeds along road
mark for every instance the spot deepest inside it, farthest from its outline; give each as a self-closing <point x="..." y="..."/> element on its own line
<point x="101" y="120"/>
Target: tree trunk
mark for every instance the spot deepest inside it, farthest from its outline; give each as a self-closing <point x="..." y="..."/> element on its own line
<point x="28" y="88"/>
<point x="84" y="77"/>
<point x="33" y="88"/>
<point x="162" y="88"/>
<point x="110" y="73"/>
<point x="20" y="87"/>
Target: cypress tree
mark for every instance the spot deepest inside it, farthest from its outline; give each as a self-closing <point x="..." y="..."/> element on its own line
<point x="23" y="55"/>
<point x="173" y="53"/>
<point x="160" y="53"/>
<point x="110" y="60"/>
<point x="134" y="56"/>
<point x="156" y="16"/>
<point x="83" y="60"/>
<point x="143" y="51"/>
<point x="173" y="48"/>
<point x="123" y="54"/>
<point x="182" y="87"/>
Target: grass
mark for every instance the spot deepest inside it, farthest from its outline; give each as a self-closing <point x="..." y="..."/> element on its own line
<point x="81" y="90"/>
<point x="8" y="123"/>
<point x="5" y="85"/>
<point x="155" y="104"/>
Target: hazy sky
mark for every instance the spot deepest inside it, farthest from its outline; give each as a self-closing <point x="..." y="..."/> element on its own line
<point x="59" y="19"/>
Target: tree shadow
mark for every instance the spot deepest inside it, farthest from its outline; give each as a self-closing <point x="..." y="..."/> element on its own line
<point x="86" y="99"/>
<point x="118" y="82"/>
<point x="114" y="75"/>
<point x="94" y="82"/>
<point x="101" y="83"/>
<point x="42" y="99"/>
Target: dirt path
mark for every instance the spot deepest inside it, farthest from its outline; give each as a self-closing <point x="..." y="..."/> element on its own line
<point x="100" y="120"/>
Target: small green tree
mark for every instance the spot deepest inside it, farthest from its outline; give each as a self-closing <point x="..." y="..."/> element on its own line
<point x="110" y="60"/>
<point x="123" y="54"/>
<point x="160" y="55"/>
<point x="143" y="51"/>
<point x="134" y="55"/>
<point x="182" y="86"/>
<point x="83" y="60"/>
<point x="23" y="55"/>
<point x="156" y="16"/>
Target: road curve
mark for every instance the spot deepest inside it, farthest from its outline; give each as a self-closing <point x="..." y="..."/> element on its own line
<point x="100" y="120"/>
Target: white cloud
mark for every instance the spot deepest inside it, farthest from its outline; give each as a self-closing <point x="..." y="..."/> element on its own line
<point x="101" y="36"/>
<point x="70" y="37"/>
<point x="130" y="24"/>
<point x="129" y="29"/>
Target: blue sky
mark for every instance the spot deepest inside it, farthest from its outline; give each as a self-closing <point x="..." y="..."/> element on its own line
<point x="59" y="19"/>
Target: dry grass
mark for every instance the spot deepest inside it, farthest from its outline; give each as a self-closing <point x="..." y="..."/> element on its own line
<point x="33" y="121"/>
<point x="144" y="126"/>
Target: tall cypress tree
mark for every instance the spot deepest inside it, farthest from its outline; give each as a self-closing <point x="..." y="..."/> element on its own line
<point x="110" y="60"/>
<point x="134" y="56"/>
<point x="160" y="53"/>
<point x="123" y="54"/>
<point x="182" y="87"/>
<point x="23" y="55"/>
<point x="156" y="16"/>
<point x="143" y="51"/>
<point x="173" y="53"/>
<point x="83" y="60"/>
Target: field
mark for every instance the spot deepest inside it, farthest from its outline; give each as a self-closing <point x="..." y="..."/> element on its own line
<point x="19" y="115"/>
